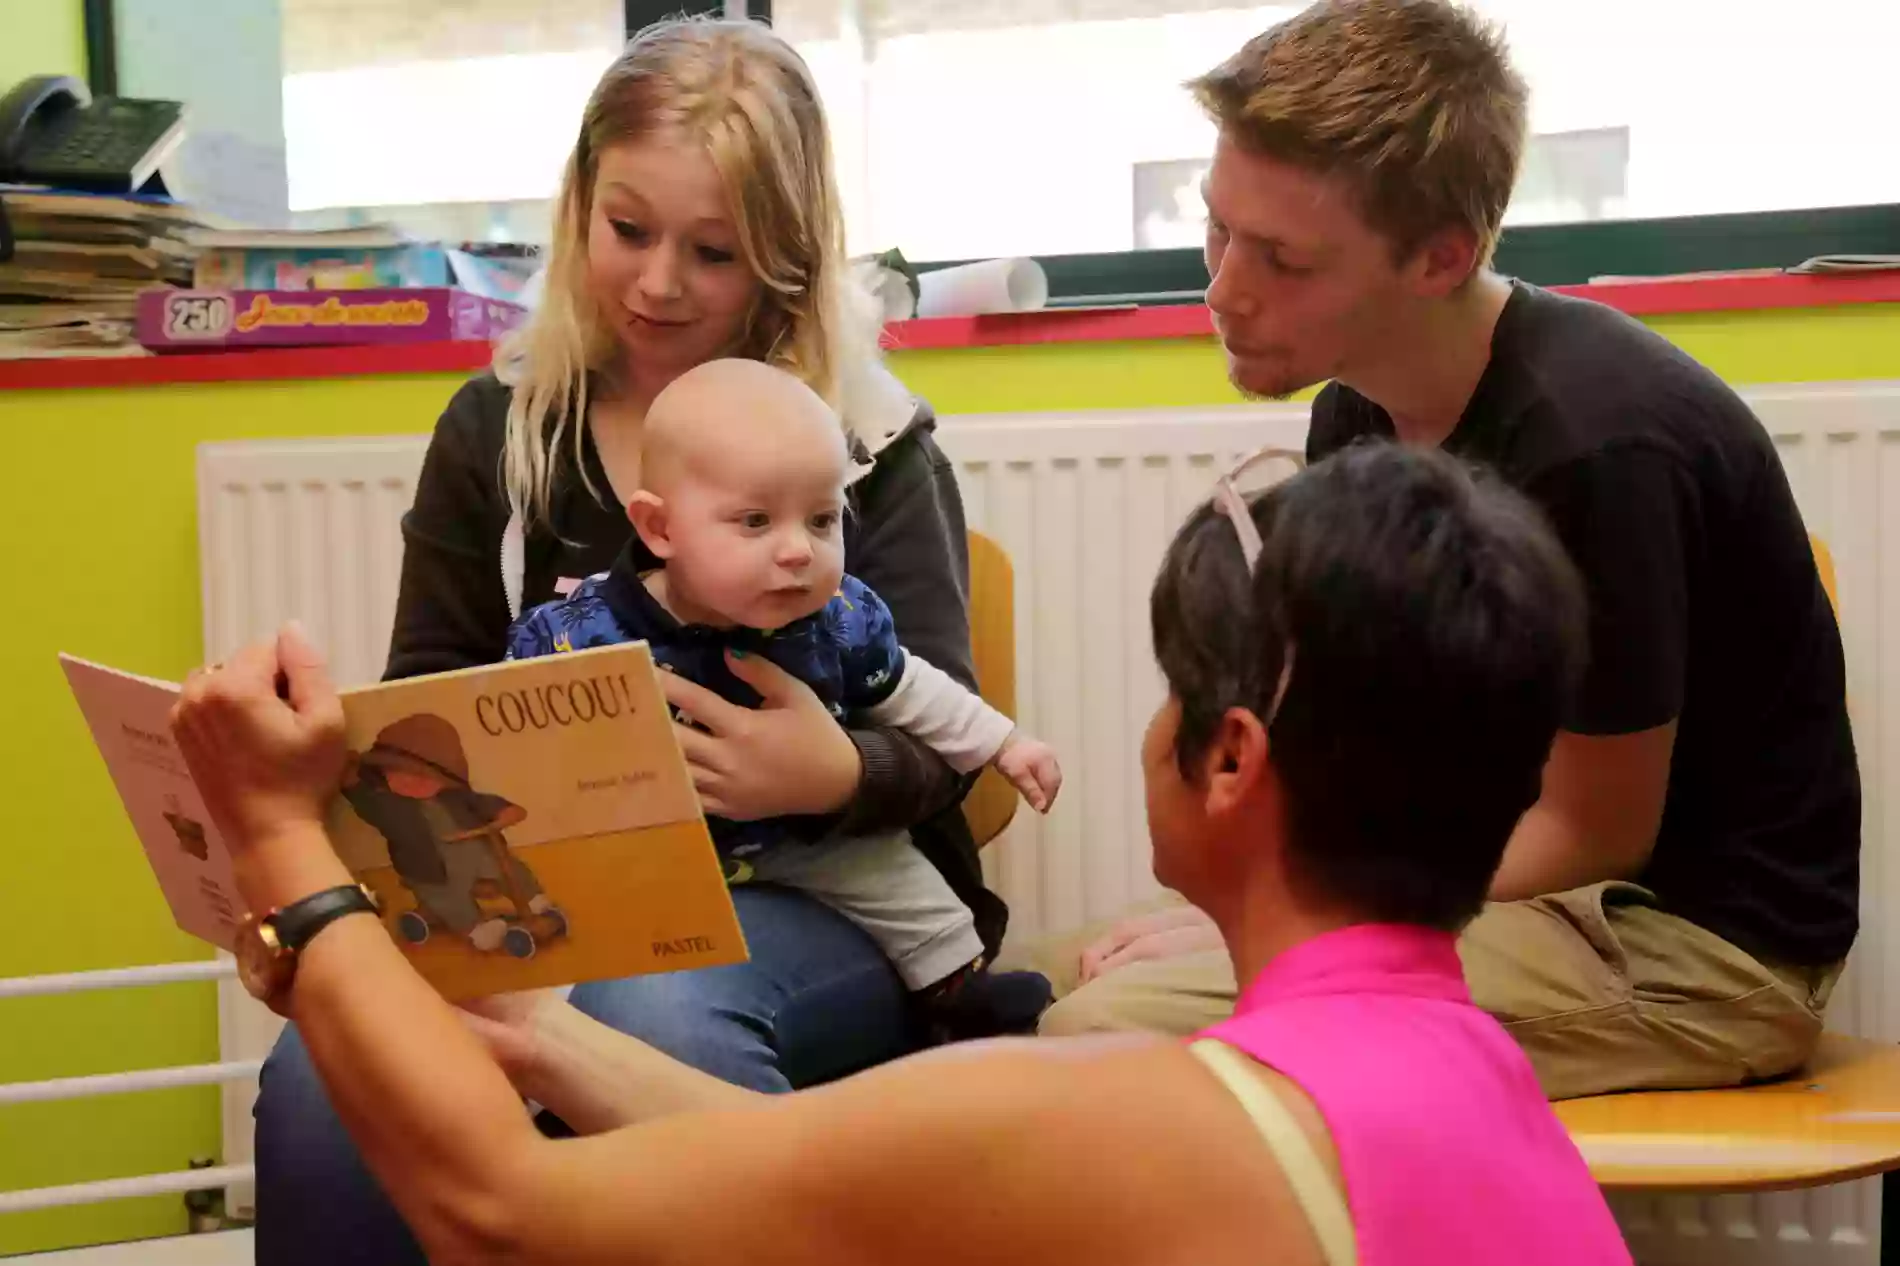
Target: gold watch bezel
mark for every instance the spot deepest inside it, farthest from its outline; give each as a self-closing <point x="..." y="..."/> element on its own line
<point x="264" y="965"/>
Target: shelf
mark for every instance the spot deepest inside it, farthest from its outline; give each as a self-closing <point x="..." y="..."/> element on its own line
<point x="1660" y="297"/>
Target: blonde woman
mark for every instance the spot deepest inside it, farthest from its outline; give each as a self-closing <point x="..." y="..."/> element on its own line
<point x="697" y="218"/>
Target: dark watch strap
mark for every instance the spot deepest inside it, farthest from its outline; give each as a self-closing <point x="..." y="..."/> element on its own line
<point x="297" y="922"/>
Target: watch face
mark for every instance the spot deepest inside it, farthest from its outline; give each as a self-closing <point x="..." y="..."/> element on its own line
<point x="263" y="966"/>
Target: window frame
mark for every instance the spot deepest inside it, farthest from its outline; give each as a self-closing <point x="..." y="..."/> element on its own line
<point x="1543" y="254"/>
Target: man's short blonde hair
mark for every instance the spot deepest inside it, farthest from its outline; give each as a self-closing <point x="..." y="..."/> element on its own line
<point x="1412" y="101"/>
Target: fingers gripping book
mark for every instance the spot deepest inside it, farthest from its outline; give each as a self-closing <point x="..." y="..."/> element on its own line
<point x="524" y="824"/>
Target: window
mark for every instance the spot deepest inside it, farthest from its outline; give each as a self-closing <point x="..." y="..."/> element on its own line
<point x="450" y="118"/>
<point x="1571" y="176"/>
<point x="984" y="127"/>
<point x="1566" y="177"/>
<point x="1059" y="128"/>
<point x="1168" y="207"/>
<point x="992" y="127"/>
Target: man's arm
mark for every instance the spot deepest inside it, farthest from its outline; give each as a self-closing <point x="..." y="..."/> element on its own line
<point x="1627" y="517"/>
<point x="1597" y="817"/>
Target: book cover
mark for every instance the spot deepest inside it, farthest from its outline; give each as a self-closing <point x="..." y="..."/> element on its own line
<point x="524" y="824"/>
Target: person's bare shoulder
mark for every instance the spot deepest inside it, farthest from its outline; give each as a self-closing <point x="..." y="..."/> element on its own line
<point x="1124" y="1150"/>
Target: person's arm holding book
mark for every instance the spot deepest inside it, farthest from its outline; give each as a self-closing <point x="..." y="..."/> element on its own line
<point x="883" y="1166"/>
<point x="430" y="1099"/>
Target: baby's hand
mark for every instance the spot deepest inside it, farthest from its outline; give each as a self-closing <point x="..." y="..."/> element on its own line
<point x="1030" y="764"/>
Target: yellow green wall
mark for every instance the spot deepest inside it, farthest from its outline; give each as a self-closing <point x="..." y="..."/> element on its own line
<point x="41" y="37"/>
<point x="104" y="564"/>
<point x="1810" y="345"/>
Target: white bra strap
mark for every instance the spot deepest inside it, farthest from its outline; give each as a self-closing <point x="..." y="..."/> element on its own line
<point x="1318" y="1195"/>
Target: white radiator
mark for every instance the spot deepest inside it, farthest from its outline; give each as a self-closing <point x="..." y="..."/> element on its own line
<point x="1085" y="504"/>
<point x="311" y="530"/>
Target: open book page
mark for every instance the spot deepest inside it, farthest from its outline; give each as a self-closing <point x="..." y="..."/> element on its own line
<point x="130" y="719"/>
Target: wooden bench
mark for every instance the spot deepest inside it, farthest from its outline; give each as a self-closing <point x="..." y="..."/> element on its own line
<point x="1836" y="1120"/>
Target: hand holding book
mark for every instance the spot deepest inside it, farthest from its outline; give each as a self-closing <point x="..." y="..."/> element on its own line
<point x="520" y="825"/>
<point x="267" y="761"/>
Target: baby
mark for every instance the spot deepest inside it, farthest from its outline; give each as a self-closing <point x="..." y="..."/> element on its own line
<point x="742" y="498"/>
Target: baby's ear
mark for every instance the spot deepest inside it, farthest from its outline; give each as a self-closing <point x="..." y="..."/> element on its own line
<point x="648" y="512"/>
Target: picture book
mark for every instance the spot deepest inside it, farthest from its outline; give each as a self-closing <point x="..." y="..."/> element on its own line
<point x="524" y="824"/>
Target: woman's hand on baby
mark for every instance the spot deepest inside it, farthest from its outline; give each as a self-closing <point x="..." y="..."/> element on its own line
<point x="787" y="756"/>
<point x="1031" y="767"/>
<point x="262" y="734"/>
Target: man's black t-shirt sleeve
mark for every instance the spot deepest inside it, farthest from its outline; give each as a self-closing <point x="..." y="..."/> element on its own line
<point x="1623" y="514"/>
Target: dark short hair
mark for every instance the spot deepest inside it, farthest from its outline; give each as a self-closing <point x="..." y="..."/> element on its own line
<point x="1437" y="632"/>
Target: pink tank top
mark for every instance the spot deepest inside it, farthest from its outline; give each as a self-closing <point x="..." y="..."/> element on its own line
<point x="1449" y="1151"/>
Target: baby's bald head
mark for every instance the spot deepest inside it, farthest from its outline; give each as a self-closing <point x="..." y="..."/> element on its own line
<point x="742" y="495"/>
<point x="737" y="421"/>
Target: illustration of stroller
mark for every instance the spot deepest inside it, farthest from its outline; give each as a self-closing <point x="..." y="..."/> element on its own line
<point x="446" y="841"/>
<point x="527" y="928"/>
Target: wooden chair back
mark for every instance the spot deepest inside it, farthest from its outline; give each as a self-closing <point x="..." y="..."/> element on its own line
<point x="992" y="802"/>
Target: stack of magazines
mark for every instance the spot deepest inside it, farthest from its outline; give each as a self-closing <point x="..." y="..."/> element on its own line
<point x="69" y="282"/>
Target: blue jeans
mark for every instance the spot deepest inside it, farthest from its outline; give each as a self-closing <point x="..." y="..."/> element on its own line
<point x="816" y="1002"/>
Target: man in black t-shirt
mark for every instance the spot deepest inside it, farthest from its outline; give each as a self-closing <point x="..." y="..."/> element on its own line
<point x="1676" y="907"/>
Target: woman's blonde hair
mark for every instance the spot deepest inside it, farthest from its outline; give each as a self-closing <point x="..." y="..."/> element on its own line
<point x="749" y="98"/>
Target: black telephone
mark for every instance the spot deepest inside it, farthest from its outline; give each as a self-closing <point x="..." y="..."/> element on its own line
<point x="53" y="133"/>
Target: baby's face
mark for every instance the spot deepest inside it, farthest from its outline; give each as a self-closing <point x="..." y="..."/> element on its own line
<point x="758" y="533"/>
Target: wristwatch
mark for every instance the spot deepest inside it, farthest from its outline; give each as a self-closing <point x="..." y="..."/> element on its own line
<point x="267" y="945"/>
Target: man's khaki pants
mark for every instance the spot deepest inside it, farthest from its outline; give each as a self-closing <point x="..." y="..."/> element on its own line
<point x="1603" y="990"/>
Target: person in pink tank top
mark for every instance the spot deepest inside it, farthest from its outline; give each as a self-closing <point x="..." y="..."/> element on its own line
<point x="1400" y="606"/>
<point x="1380" y="611"/>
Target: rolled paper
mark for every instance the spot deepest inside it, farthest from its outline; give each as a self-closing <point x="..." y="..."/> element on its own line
<point x="987" y="286"/>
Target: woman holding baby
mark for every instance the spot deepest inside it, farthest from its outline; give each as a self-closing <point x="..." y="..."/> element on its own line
<point x="697" y="219"/>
